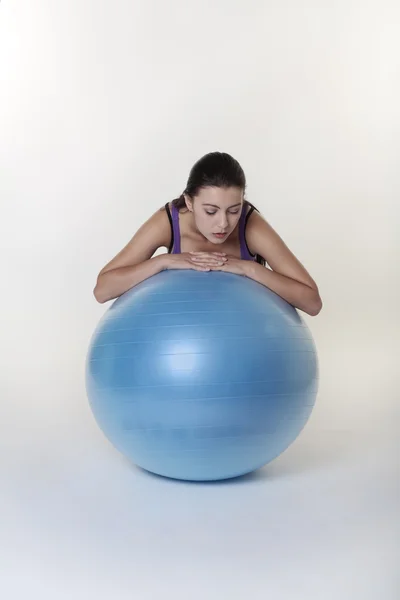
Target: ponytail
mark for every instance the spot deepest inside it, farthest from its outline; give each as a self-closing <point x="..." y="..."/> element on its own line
<point x="180" y="202"/>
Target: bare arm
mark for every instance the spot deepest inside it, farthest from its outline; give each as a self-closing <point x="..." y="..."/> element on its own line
<point x="134" y="263"/>
<point x="115" y="282"/>
<point x="288" y="277"/>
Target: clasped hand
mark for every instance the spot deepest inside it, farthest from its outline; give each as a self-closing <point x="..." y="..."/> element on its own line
<point x="207" y="261"/>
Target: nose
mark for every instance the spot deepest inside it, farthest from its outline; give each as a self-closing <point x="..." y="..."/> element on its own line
<point x="223" y="222"/>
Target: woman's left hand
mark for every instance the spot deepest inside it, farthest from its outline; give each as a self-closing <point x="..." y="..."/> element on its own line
<point x="232" y="264"/>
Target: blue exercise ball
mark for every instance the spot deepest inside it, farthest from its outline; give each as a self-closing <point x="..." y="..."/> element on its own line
<point x="201" y="375"/>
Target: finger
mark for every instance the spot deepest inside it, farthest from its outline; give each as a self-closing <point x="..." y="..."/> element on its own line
<point x="203" y="259"/>
<point x="208" y="263"/>
<point x="208" y="253"/>
<point x="198" y="263"/>
<point x="209" y="259"/>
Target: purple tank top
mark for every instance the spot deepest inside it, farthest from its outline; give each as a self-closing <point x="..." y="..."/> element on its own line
<point x="245" y="254"/>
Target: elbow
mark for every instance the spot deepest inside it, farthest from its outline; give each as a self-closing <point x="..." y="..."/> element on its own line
<point x="315" y="306"/>
<point x="98" y="293"/>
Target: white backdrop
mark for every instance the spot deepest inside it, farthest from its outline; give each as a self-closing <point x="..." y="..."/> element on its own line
<point x="104" y="108"/>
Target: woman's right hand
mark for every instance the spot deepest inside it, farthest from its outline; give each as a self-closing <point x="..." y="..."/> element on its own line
<point x="198" y="261"/>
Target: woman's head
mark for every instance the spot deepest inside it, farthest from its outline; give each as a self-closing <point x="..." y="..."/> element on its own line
<point x="214" y="193"/>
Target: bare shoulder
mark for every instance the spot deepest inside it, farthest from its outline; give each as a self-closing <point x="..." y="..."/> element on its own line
<point x="158" y="225"/>
<point x="264" y="240"/>
<point x="154" y="233"/>
<point x="259" y="233"/>
<point x="255" y="220"/>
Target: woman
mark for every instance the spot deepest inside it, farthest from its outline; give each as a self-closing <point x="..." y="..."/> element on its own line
<point x="211" y="227"/>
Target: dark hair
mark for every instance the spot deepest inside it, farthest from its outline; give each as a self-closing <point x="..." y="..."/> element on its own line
<point x="216" y="169"/>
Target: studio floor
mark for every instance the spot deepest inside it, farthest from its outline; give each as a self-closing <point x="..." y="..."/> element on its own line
<point x="321" y="521"/>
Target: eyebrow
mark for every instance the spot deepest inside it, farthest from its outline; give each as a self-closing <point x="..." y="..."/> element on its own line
<point x="215" y="206"/>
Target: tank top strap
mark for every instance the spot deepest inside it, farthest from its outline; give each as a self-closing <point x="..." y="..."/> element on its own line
<point x="176" y="234"/>
<point x="244" y="250"/>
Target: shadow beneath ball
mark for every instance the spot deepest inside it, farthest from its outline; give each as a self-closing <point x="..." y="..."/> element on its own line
<point x="311" y="454"/>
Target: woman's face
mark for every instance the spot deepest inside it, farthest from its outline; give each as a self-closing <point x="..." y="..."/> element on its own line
<point x="216" y="211"/>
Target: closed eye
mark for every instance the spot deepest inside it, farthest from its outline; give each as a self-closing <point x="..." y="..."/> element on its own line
<point x="231" y="212"/>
